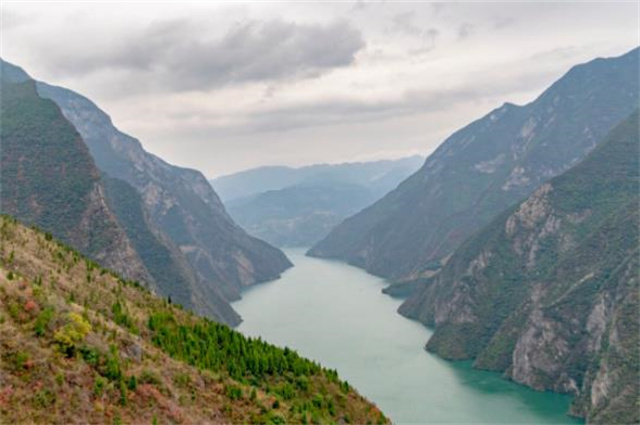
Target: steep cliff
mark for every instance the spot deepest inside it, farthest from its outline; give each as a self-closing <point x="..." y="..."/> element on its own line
<point x="48" y="178"/>
<point x="549" y="292"/>
<point x="484" y="168"/>
<point x="212" y="257"/>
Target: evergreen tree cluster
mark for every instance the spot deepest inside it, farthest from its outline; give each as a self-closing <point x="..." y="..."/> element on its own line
<point x="209" y="345"/>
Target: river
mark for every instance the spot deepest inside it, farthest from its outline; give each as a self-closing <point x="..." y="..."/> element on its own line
<point x="334" y="313"/>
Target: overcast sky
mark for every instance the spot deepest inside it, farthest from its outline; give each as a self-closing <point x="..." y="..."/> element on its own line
<point x="225" y="86"/>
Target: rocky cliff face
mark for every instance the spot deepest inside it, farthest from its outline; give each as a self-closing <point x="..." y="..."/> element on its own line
<point x="50" y="180"/>
<point x="181" y="210"/>
<point x="483" y="169"/>
<point x="150" y="221"/>
<point x="548" y="293"/>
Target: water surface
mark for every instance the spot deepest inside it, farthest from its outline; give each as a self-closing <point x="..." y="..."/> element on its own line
<point x="335" y="314"/>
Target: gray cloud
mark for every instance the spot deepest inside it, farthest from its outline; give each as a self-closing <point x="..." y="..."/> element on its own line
<point x="203" y="92"/>
<point x="403" y="23"/>
<point x="502" y="22"/>
<point x="465" y="31"/>
<point x="11" y="20"/>
<point x="175" y="55"/>
<point x="411" y="102"/>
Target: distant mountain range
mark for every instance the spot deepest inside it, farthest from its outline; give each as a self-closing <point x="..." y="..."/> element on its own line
<point x="483" y="169"/>
<point x="299" y="206"/>
<point x="67" y="169"/>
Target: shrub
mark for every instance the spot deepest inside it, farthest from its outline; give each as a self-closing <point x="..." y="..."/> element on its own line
<point x="44" y="398"/>
<point x="149" y="377"/>
<point x="112" y="370"/>
<point x="123" y="393"/>
<point x="74" y="331"/>
<point x="99" y="385"/>
<point x="20" y="360"/>
<point x="90" y="355"/>
<point x="233" y="392"/>
<point x="182" y="379"/>
<point x="132" y="383"/>
<point x="42" y="321"/>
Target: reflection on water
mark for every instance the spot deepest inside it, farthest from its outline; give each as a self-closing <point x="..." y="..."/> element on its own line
<point x="336" y="314"/>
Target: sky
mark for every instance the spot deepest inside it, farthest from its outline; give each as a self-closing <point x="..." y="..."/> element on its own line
<point x="227" y="86"/>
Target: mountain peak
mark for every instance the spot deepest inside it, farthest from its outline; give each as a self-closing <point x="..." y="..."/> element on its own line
<point x="12" y="73"/>
<point x="484" y="168"/>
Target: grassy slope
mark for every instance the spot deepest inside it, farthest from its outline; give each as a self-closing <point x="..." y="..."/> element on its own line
<point x="77" y="346"/>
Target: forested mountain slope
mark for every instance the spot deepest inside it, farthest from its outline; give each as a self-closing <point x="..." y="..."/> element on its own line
<point x="484" y="168"/>
<point x="548" y="293"/>
<point x="49" y="179"/>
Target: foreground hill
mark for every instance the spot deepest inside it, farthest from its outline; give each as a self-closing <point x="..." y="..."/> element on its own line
<point x="549" y="292"/>
<point x="299" y="206"/>
<point x="484" y="168"/>
<point x="78" y="344"/>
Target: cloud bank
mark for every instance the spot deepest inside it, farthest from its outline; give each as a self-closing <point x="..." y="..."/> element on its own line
<point x="222" y="86"/>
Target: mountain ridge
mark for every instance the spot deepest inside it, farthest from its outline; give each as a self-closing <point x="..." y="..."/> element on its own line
<point x="180" y="205"/>
<point x="273" y="177"/>
<point x="484" y="168"/>
<point x="298" y="207"/>
<point x="191" y="249"/>
<point x="67" y="201"/>
<point x="545" y="293"/>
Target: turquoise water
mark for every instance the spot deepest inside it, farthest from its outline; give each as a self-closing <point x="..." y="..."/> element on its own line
<point x="335" y="314"/>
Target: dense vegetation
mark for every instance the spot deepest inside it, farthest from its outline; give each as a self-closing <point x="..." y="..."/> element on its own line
<point x="81" y="345"/>
<point x="49" y="178"/>
<point x="545" y="292"/>
<point x="484" y="168"/>
<point x="36" y="139"/>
